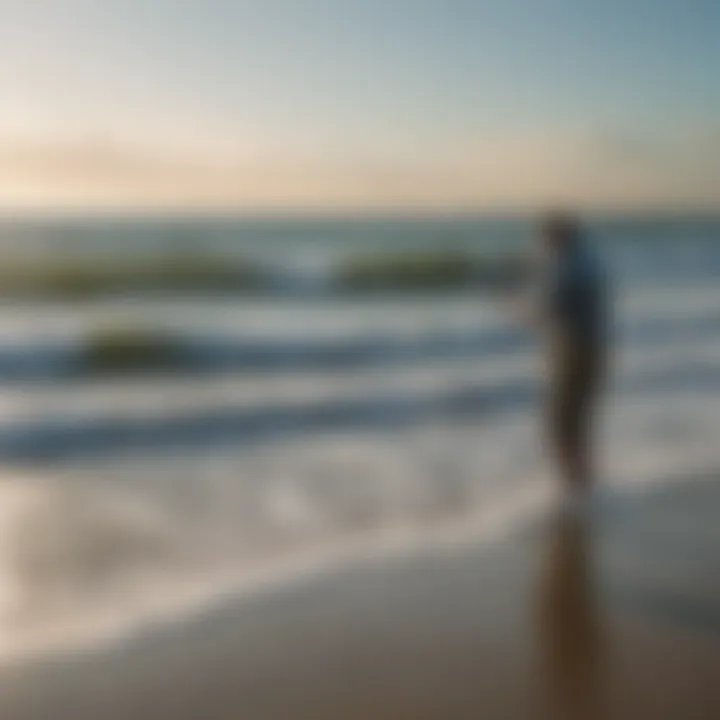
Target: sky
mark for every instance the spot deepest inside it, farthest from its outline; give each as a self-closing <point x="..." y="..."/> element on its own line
<point x="334" y="104"/>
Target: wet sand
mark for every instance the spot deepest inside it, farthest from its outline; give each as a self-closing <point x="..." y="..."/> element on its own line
<point x="617" y="617"/>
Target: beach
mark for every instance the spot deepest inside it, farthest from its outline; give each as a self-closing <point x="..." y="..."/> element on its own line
<point x="316" y="318"/>
<point x="616" y="615"/>
<point x="295" y="501"/>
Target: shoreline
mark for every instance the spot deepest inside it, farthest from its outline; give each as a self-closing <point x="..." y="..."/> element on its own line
<point x="619" y="618"/>
<point x="477" y="531"/>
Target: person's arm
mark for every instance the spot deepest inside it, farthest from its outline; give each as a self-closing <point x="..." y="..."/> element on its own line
<point x="538" y="301"/>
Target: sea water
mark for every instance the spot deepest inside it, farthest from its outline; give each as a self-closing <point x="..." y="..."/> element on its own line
<point x="314" y="427"/>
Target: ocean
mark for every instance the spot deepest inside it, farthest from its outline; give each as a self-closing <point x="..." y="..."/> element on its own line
<point x="311" y="426"/>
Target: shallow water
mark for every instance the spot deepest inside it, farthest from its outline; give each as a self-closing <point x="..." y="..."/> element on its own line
<point x="311" y="428"/>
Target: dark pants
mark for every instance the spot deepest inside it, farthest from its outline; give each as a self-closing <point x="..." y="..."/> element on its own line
<point x="575" y="377"/>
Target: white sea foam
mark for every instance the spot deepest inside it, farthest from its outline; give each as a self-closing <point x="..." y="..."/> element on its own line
<point x="95" y="548"/>
<point x="104" y="550"/>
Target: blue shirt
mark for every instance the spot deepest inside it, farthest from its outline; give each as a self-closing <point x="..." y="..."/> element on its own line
<point x="578" y="294"/>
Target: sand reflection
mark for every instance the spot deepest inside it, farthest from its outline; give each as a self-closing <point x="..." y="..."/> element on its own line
<point x="569" y="625"/>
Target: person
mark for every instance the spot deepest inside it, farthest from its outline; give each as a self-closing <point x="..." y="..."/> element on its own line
<point x="573" y="310"/>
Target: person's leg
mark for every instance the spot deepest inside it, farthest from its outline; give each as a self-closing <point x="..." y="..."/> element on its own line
<point x="579" y="447"/>
<point x="571" y="421"/>
<point x="582" y="409"/>
<point x="560" y="434"/>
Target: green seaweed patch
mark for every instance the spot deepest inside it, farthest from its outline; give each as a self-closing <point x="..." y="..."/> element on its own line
<point x="126" y="349"/>
<point x="431" y="270"/>
<point x="94" y="277"/>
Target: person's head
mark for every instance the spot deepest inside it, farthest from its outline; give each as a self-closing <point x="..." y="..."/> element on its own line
<point x="559" y="231"/>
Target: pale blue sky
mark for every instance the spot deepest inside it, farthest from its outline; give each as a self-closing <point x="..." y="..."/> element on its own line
<point x="394" y="100"/>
